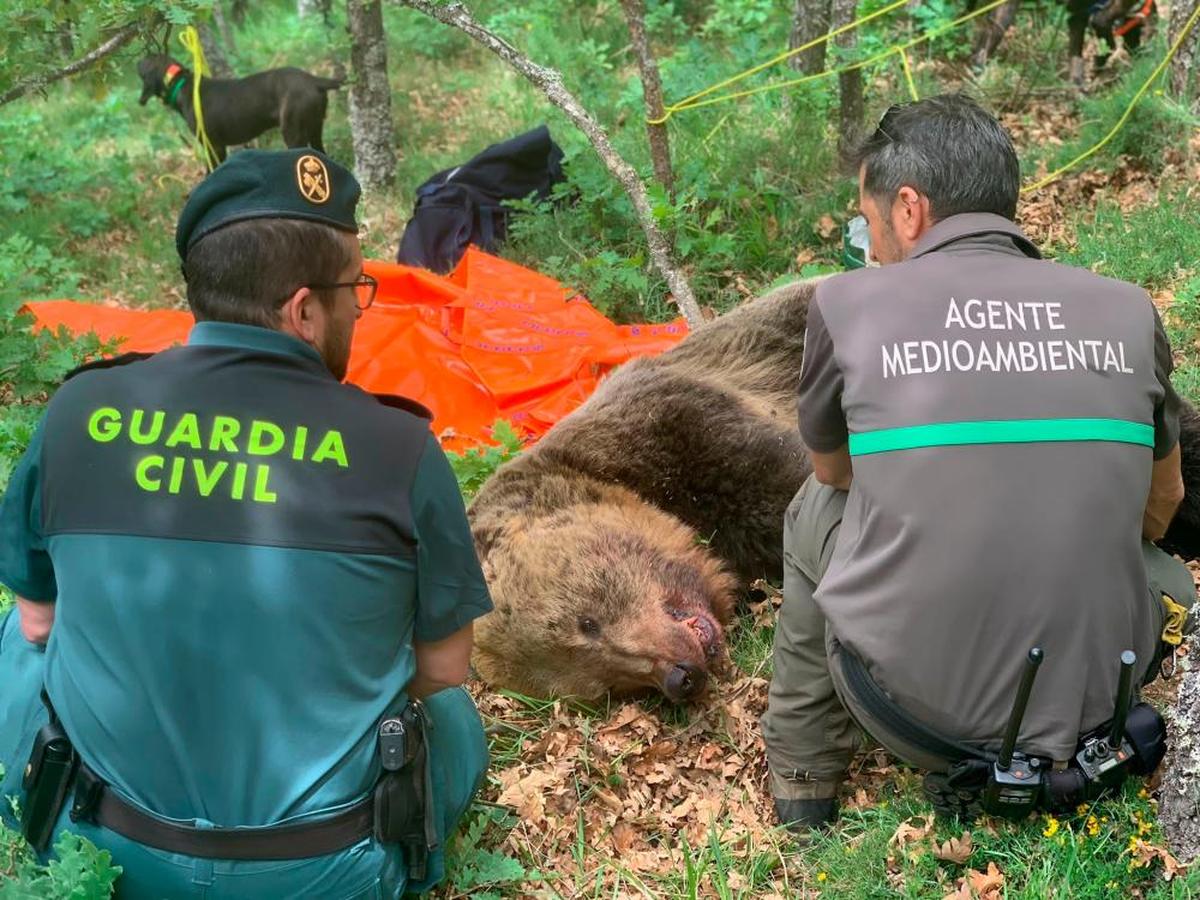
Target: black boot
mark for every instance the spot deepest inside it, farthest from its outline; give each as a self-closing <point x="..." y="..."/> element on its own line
<point x="803" y="816"/>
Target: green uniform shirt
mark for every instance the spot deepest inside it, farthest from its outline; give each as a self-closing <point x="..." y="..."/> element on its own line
<point x="242" y="551"/>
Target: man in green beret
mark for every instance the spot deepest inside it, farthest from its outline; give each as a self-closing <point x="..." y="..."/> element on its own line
<point x="247" y="588"/>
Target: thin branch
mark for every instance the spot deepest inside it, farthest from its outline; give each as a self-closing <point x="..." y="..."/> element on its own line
<point x="656" y="134"/>
<point x="116" y="42"/>
<point x="550" y="82"/>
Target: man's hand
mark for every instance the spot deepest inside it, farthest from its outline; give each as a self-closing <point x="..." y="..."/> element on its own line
<point x="833" y="469"/>
<point x="1166" y="493"/>
<point x="442" y="664"/>
<point x="36" y="620"/>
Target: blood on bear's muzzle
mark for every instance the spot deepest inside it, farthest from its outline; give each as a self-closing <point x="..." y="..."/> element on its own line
<point x="683" y="682"/>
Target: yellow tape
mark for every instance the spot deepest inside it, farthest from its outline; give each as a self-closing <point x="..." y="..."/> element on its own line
<point x="1175" y="618"/>
<point x="912" y="87"/>
<point x="787" y="54"/>
<point x="190" y="38"/>
<point x="1053" y="176"/>
<point x="693" y="103"/>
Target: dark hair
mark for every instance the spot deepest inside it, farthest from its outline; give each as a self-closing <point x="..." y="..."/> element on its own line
<point x="243" y="272"/>
<point x="948" y="148"/>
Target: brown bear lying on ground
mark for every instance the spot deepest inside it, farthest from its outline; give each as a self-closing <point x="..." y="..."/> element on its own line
<point x="615" y="545"/>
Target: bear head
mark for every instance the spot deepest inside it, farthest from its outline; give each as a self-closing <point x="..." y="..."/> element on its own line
<point x="606" y="594"/>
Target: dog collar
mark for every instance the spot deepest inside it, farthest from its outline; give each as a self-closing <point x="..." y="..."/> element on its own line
<point x="173" y="79"/>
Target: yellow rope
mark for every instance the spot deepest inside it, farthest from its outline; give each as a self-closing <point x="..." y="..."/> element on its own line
<point x="912" y="87"/>
<point x="694" y="103"/>
<point x="190" y="39"/>
<point x="858" y="23"/>
<point x="1128" y="110"/>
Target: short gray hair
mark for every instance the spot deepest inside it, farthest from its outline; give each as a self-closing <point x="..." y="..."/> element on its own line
<point x="948" y="148"/>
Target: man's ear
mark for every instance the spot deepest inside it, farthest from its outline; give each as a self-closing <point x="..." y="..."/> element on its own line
<point x="301" y="316"/>
<point x="910" y="214"/>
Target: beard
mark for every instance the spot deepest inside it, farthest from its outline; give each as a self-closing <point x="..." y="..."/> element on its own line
<point x="335" y="350"/>
<point x="888" y="251"/>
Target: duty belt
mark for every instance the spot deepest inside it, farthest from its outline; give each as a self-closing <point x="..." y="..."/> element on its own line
<point x="97" y="802"/>
<point x="1010" y="783"/>
<point x="404" y="759"/>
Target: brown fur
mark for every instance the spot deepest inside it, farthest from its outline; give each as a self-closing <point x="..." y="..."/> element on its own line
<point x="642" y="510"/>
<point x="662" y="493"/>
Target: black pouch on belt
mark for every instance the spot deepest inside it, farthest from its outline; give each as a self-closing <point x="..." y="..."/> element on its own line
<point x="402" y="802"/>
<point x="47" y="779"/>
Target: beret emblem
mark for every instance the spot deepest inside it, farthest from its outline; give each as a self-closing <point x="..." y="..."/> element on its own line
<point x="312" y="179"/>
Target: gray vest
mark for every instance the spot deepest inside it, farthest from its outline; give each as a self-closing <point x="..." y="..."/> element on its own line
<point x="1002" y="413"/>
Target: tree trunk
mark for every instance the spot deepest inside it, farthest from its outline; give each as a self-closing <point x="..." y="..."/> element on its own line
<point x="1179" y="794"/>
<point x="660" y="145"/>
<point x="550" y="82"/>
<point x="223" y="27"/>
<point x="1182" y="71"/>
<point x="850" y="84"/>
<point x="308" y="7"/>
<point x="214" y="54"/>
<point x="66" y="38"/>
<point x="810" y="20"/>
<point x="370" y="96"/>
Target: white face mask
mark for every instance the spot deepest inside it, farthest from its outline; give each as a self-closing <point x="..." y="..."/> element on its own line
<point x="859" y="237"/>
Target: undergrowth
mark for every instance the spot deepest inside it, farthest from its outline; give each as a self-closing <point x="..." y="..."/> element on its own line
<point x="93" y="183"/>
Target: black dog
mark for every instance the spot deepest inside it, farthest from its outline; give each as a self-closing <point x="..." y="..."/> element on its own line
<point x="1109" y="19"/>
<point x="237" y="110"/>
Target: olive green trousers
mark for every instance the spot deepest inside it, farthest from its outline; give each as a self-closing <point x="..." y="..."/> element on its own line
<point x="813" y="725"/>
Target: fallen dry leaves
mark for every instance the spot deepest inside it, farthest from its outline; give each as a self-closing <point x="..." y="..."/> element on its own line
<point x="911" y="834"/>
<point x="956" y="850"/>
<point x="633" y="784"/>
<point x="976" y="885"/>
<point x="1143" y="854"/>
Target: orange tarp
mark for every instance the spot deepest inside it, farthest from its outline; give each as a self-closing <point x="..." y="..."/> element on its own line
<point x="491" y="340"/>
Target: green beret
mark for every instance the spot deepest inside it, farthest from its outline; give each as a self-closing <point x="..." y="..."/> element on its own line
<point x="300" y="183"/>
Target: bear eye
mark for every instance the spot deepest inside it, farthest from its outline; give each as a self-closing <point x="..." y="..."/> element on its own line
<point x="589" y="627"/>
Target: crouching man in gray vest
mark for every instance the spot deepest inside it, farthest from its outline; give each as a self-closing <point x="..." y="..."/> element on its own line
<point x="994" y="442"/>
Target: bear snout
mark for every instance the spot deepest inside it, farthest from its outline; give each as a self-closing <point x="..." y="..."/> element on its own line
<point x="683" y="682"/>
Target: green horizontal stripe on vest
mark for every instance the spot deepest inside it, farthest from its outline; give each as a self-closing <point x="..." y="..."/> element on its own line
<point x="1010" y="431"/>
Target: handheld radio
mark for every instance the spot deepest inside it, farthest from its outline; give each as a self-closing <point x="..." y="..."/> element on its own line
<point x="1015" y="783"/>
<point x="1103" y="757"/>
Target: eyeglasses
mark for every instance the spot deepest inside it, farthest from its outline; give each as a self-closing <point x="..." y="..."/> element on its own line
<point x="364" y="289"/>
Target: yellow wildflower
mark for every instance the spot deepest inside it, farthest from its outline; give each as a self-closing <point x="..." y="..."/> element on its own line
<point x="1143" y="793"/>
<point x="1082" y="809"/>
<point x="1093" y="826"/>
<point x="1051" y="828"/>
<point x="821" y="876"/>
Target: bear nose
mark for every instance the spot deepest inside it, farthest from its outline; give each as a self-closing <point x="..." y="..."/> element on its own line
<point x="683" y="682"/>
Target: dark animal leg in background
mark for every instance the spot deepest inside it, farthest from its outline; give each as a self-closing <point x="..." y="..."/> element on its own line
<point x="1077" y="23"/>
<point x="992" y="31"/>
<point x="1102" y="58"/>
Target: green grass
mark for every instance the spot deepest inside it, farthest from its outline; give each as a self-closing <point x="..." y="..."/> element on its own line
<point x="1158" y="247"/>
<point x="93" y="184"/>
